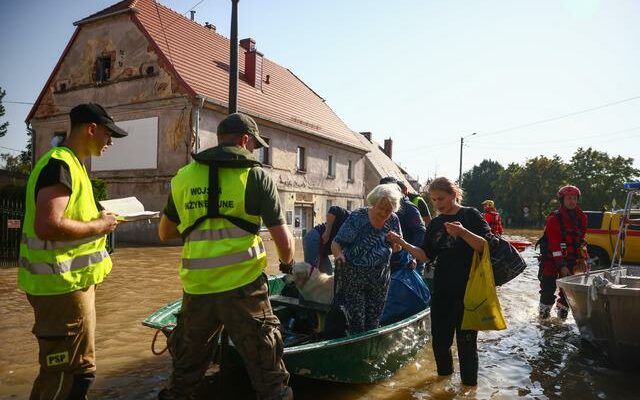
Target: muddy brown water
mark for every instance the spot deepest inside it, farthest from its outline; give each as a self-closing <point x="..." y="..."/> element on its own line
<point x="528" y="360"/>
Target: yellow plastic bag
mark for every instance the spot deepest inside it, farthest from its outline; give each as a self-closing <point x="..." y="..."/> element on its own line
<point x="482" y="310"/>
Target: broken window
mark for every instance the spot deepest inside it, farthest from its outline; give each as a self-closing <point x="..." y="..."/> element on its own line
<point x="103" y="69"/>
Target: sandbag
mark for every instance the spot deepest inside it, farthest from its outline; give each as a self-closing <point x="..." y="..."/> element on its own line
<point x="407" y="295"/>
<point x="482" y="310"/>
<point x="506" y="261"/>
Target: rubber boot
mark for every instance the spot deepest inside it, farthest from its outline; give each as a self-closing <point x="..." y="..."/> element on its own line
<point x="562" y="311"/>
<point x="544" y="311"/>
<point x="81" y="384"/>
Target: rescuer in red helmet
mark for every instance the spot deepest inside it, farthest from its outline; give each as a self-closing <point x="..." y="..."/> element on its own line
<point x="563" y="250"/>
<point x="492" y="217"/>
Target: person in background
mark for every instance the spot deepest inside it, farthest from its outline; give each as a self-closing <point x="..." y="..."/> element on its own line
<point x="412" y="228"/>
<point x="417" y="201"/>
<point x="223" y="259"/>
<point x="565" y="251"/>
<point x="63" y="255"/>
<point x="363" y="249"/>
<point x="492" y="217"/>
<point x="317" y="242"/>
<point x="450" y="240"/>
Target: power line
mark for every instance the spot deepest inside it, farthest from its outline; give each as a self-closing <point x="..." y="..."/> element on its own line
<point x="9" y="148"/>
<point x="543" y="121"/>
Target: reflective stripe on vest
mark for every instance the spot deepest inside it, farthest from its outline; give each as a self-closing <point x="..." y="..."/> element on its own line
<point x="36" y="243"/>
<point x="221" y="261"/>
<point x="40" y="268"/>
<point x="216" y="234"/>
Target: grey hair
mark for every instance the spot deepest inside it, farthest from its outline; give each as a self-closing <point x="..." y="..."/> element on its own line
<point x="389" y="192"/>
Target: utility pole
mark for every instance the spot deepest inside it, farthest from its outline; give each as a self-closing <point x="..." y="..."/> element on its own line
<point x="462" y="145"/>
<point x="233" y="61"/>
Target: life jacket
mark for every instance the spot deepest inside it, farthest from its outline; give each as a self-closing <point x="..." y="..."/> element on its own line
<point x="493" y="219"/>
<point x="571" y="237"/>
<point x="222" y="249"/>
<point x="51" y="267"/>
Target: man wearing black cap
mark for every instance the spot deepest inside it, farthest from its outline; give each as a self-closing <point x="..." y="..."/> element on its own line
<point x="217" y="205"/>
<point x="63" y="255"/>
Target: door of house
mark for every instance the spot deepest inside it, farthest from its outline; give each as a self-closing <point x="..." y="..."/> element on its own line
<point x="302" y="218"/>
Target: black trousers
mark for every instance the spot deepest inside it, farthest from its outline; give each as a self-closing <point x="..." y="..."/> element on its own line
<point x="446" y="320"/>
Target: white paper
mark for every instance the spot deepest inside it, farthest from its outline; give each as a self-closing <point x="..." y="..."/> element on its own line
<point x="128" y="209"/>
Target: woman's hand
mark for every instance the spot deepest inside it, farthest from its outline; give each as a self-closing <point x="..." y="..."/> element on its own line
<point x="455" y="228"/>
<point x="395" y="239"/>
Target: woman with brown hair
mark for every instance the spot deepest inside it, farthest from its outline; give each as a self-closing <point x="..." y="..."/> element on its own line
<point x="450" y="240"/>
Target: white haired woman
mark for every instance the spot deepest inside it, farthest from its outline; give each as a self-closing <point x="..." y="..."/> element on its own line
<point x="361" y="245"/>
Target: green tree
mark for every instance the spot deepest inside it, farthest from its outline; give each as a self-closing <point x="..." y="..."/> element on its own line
<point x="600" y="177"/>
<point x="543" y="176"/>
<point x="3" y="126"/>
<point x="476" y="182"/>
<point x="22" y="162"/>
<point x="508" y="187"/>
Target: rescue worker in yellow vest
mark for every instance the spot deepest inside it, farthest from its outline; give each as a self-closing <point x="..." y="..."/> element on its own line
<point x="63" y="255"/>
<point x="216" y="206"/>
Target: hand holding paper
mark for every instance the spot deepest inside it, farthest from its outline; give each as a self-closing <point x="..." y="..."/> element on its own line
<point x="128" y="209"/>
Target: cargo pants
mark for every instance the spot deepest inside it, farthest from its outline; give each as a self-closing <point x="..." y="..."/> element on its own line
<point x="248" y="318"/>
<point x="65" y="329"/>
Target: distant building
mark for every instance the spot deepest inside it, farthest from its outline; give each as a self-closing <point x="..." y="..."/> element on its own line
<point x="164" y="78"/>
<point x="379" y="164"/>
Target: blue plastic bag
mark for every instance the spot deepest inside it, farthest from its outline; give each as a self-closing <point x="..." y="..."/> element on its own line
<point x="408" y="294"/>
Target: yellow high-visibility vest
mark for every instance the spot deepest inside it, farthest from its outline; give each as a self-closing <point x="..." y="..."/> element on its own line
<point x="48" y="267"/>
<point x="217" y="255"/>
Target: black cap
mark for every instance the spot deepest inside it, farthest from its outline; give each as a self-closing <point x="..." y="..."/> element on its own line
<point x="93" y="113"/>
<point x="239" y="124"/>
<point x="391" y="179"/>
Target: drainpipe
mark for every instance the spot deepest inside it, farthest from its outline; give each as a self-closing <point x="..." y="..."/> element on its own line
<point x="196" y="123"/>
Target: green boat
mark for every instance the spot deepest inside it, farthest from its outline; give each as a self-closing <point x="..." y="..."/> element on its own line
<point x="366" y="357"/>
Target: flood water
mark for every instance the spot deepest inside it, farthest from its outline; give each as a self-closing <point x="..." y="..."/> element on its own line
<point x="530" y="359"/>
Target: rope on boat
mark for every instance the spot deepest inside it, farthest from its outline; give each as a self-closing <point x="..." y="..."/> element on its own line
<point x="165" y="330"/>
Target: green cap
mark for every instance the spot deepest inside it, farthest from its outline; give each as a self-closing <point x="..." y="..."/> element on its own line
<point x="240" y="124"/>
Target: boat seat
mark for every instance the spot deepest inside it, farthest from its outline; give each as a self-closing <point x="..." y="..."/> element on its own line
<point x="293" y="302"/>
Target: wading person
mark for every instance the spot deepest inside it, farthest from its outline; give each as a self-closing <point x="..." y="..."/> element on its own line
<point x="317" y="242"/>
<point x="216" y="205"/>
<point x="563" y="251"/>
<point x="450" y="240"/>
<point x="492" y="217"/>
<point x="364" y="250"/>
<point x="63" y="255"/>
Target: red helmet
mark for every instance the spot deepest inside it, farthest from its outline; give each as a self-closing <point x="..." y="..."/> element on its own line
<point x="568" y="191"/>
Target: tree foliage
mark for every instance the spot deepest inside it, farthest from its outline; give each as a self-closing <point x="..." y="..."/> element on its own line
<point x="476" y="183"/>
<point x="535" y="184"/>
<point x="4" y="125"/>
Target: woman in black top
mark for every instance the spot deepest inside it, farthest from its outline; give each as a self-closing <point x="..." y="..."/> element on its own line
<point x="451" y="239"/>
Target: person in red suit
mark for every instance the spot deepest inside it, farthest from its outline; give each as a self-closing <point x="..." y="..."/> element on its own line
<point x="565" y="250"/>
<point x="492" y="217"/>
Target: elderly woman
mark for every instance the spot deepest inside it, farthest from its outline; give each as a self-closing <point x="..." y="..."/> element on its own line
<point x="362" y="247"/>
<point x="450" y="240"/>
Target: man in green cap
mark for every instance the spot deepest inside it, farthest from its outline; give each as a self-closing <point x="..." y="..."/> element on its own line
<point x="217" y="204"/>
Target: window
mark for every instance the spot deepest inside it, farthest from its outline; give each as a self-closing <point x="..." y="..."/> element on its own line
<point x="103" y="69"/>
<point x="350" y="171"/>
<point x="300" y="159"/>
<point x="262" y="154"/>
<point x="349" y="205"/>
<point x="329" y="204"/>
<point x="331" y="169"/>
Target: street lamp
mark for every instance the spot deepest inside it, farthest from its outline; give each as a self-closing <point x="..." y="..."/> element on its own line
<point x="461" y="145"/>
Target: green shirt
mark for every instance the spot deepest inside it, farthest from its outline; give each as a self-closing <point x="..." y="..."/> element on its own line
<point x="261" y="196"/>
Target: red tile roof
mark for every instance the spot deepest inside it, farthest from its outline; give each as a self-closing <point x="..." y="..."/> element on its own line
<point x="200" y="58"/>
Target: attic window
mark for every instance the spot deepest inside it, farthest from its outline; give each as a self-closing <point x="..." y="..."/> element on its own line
<point x="103" y="69"/>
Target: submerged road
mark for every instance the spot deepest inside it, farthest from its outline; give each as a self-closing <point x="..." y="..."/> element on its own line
<point x="529" y="359"/>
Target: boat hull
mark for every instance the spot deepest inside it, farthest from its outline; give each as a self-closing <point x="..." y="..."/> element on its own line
<point x="608" y="316"/>
<point x="363" y="358"/>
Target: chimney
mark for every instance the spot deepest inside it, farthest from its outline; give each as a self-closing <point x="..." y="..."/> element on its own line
<point x="388" y="147"/>
<point x="252" y="63"/>
<point x="366" y="135"/>
<point x="193" y="15"/>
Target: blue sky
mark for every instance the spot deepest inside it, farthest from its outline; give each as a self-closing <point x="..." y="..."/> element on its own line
<point x="424" y="72"/>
